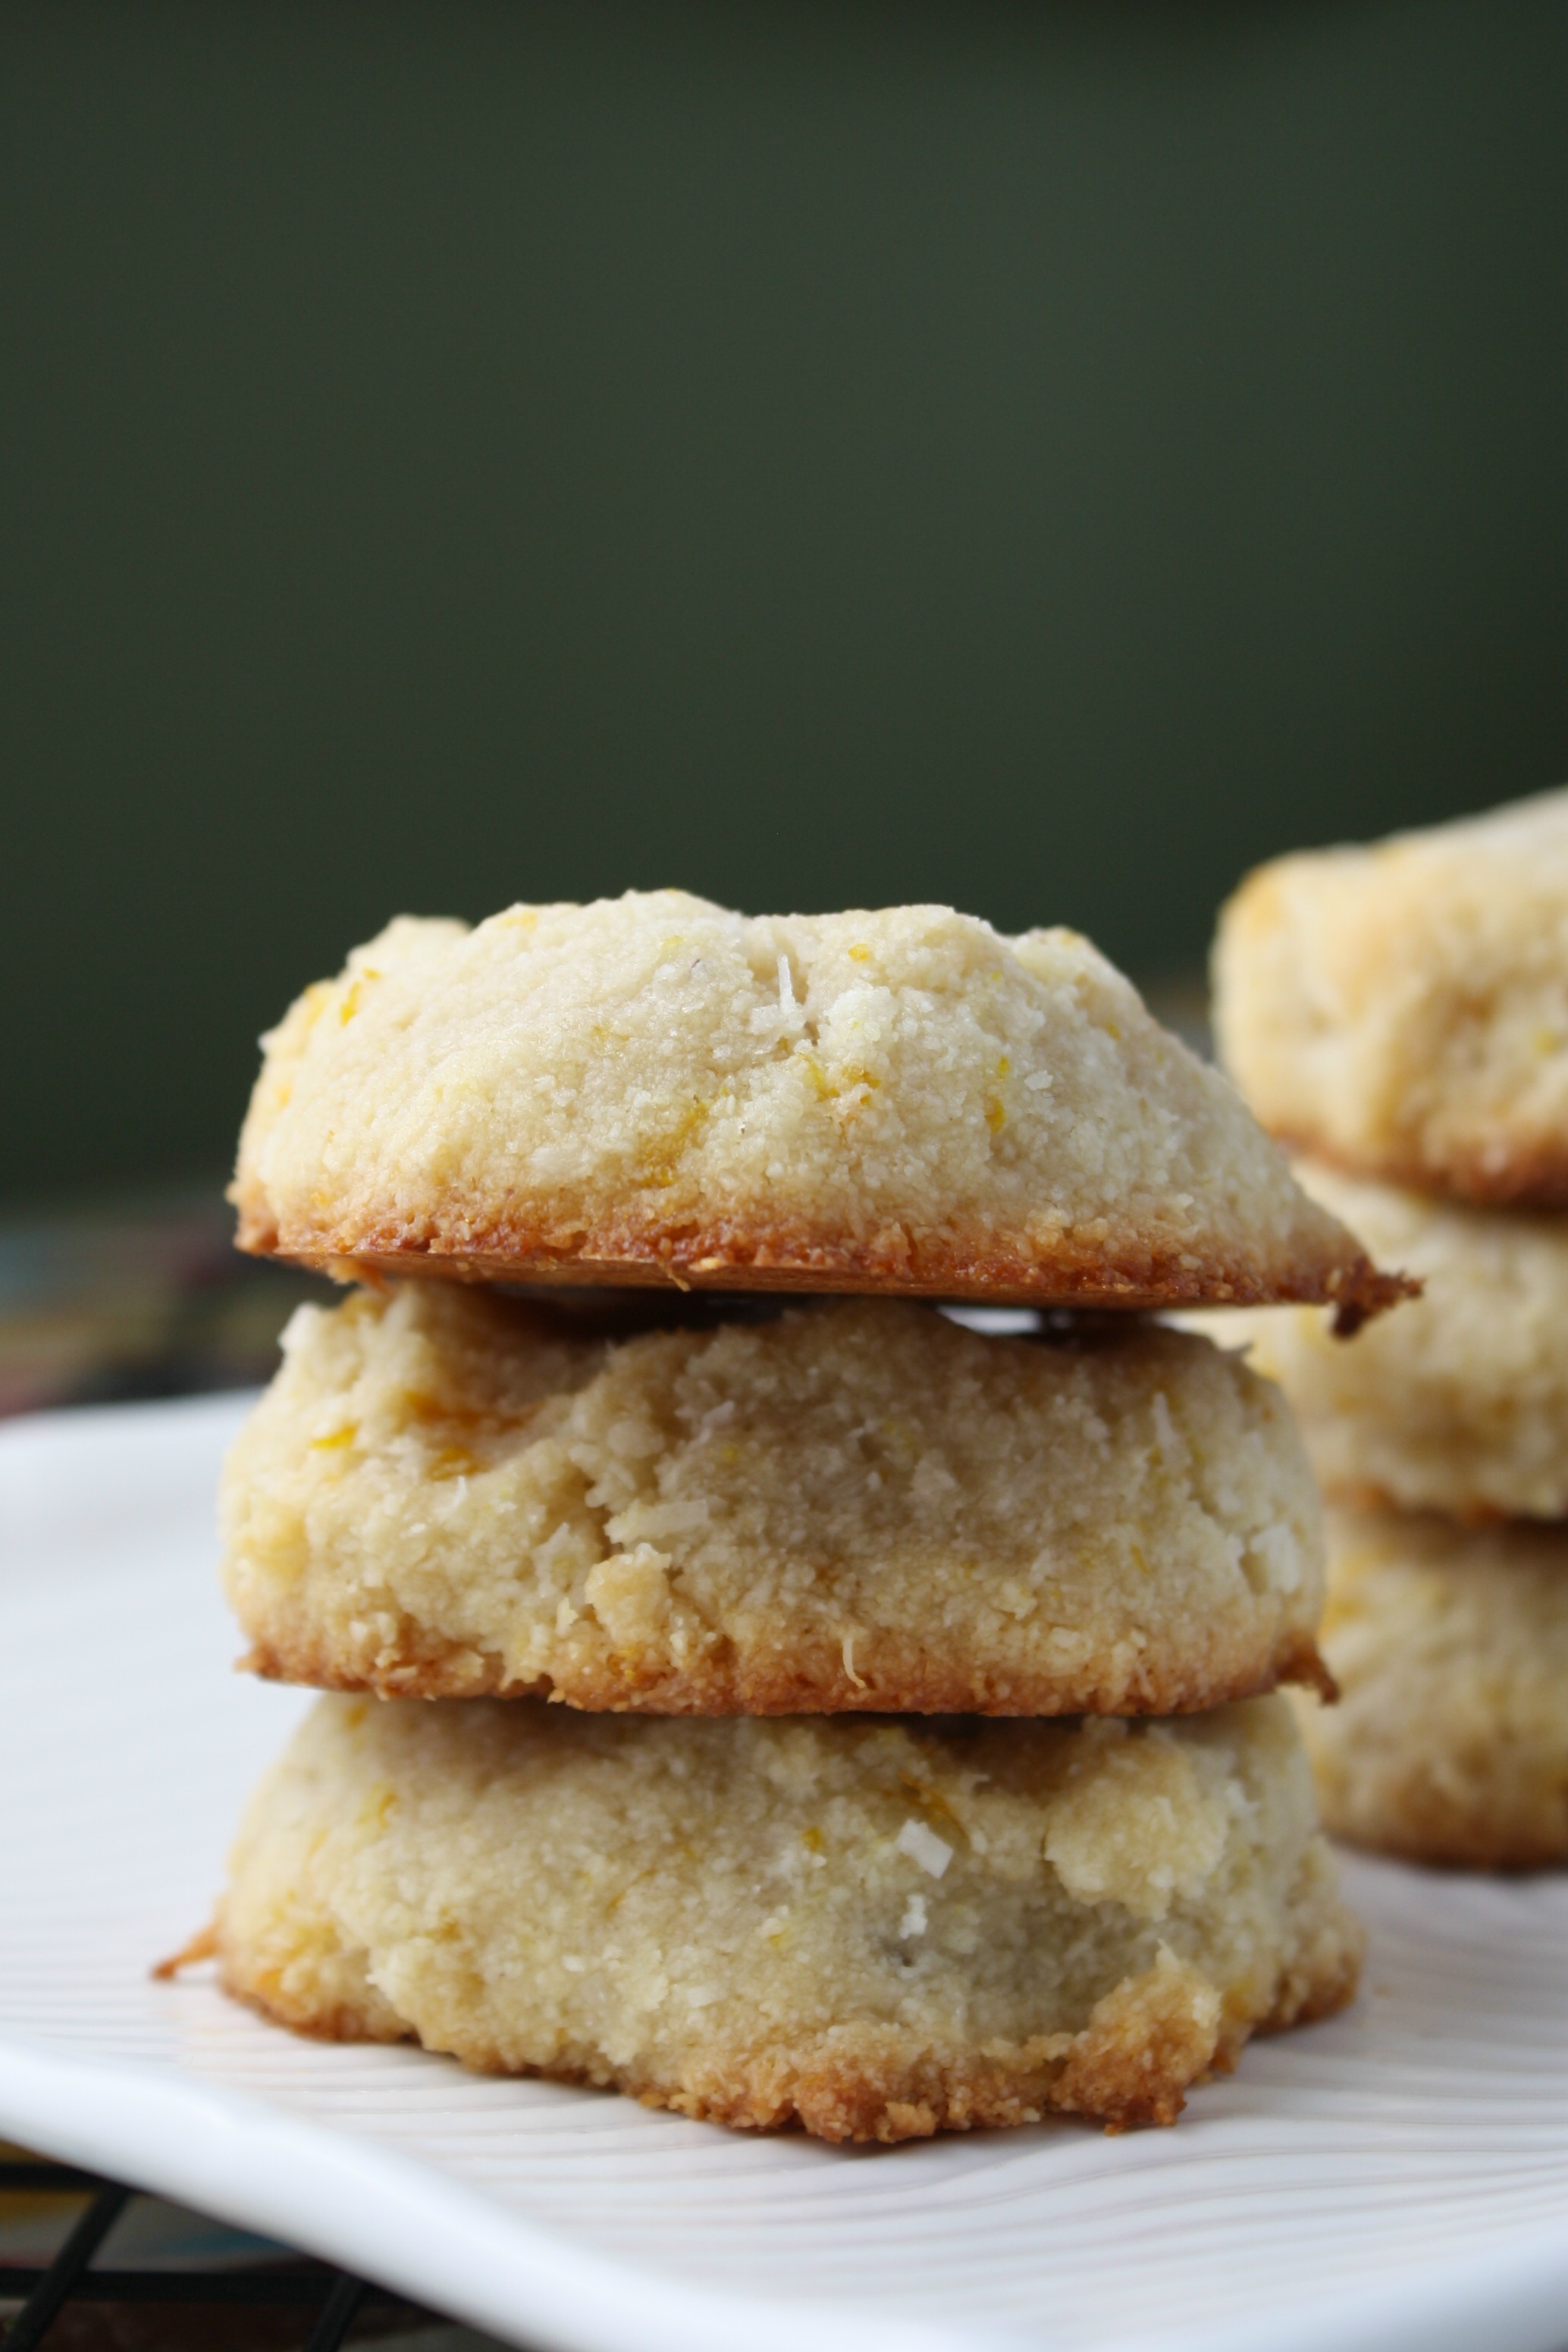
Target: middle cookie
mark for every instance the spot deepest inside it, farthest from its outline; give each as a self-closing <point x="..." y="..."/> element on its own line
<point x="855" y="1507"/>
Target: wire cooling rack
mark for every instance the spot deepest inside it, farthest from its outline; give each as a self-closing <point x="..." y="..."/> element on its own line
<point x="297" y="2304"/>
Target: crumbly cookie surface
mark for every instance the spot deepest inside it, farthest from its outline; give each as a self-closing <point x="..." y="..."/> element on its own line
<point x="1402" y="1010"/>
<point x="855" y="1505"/>
<point x="651" y="1089"/>
<point x="1459" y="1402"/>
<point x="876" y="1929"/>
<point x="1450" y="1646"/>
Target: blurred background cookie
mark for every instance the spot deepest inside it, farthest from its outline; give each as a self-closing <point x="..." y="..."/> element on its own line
<point x="1402" y="1010"/>
<point x="1450" y="1647"/>
<point x="1457" y="1403"/>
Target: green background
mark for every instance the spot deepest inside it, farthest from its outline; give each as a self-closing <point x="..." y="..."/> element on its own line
<point x="1038" y="458"/>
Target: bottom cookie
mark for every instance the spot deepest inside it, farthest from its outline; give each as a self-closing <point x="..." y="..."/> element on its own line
<point x="1450" y="1647"/>
<point x="874" y="1927"/>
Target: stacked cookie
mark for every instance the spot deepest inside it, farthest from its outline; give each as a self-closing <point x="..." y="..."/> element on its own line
<point x="1400" y="1013"/>
<point x="911" y="1763"/>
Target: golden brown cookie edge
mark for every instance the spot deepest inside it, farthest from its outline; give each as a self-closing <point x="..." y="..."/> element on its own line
<point x="1142" y="2050"/>
<point x="1141" y="1273"/>
<point x="796" y="1682"/>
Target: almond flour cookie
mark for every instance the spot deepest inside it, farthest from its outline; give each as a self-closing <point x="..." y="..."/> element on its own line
<point x="1457" y="1403"/>
<point x="847" y="1505"/>
<point x="1402" y="1010"/>
<point x="876" y="1929"/>
<point x="1450" y="1646"/>
<point x="650" y="1090"/>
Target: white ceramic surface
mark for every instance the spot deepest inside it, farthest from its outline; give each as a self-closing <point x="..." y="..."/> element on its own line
<point x="1397" y="2178"/>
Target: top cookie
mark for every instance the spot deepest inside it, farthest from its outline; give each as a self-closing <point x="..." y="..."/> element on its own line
<point x="1402" y="1010"/>
<point x="650" y="1088"/>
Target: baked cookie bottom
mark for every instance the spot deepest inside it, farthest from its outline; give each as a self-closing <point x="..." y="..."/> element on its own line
<point x="1450" y="1645"/>
<point x="1142" y="1271"/>
<point x="852" y="1506"/>
<point x="876" y="1930"/>
<point x="879" y="1678"/>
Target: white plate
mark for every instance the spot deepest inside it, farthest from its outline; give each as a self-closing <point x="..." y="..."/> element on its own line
<point x="1395" y="2178"/>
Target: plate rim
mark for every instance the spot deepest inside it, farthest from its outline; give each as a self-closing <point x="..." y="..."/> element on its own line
<point x="338" y="2194"/>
